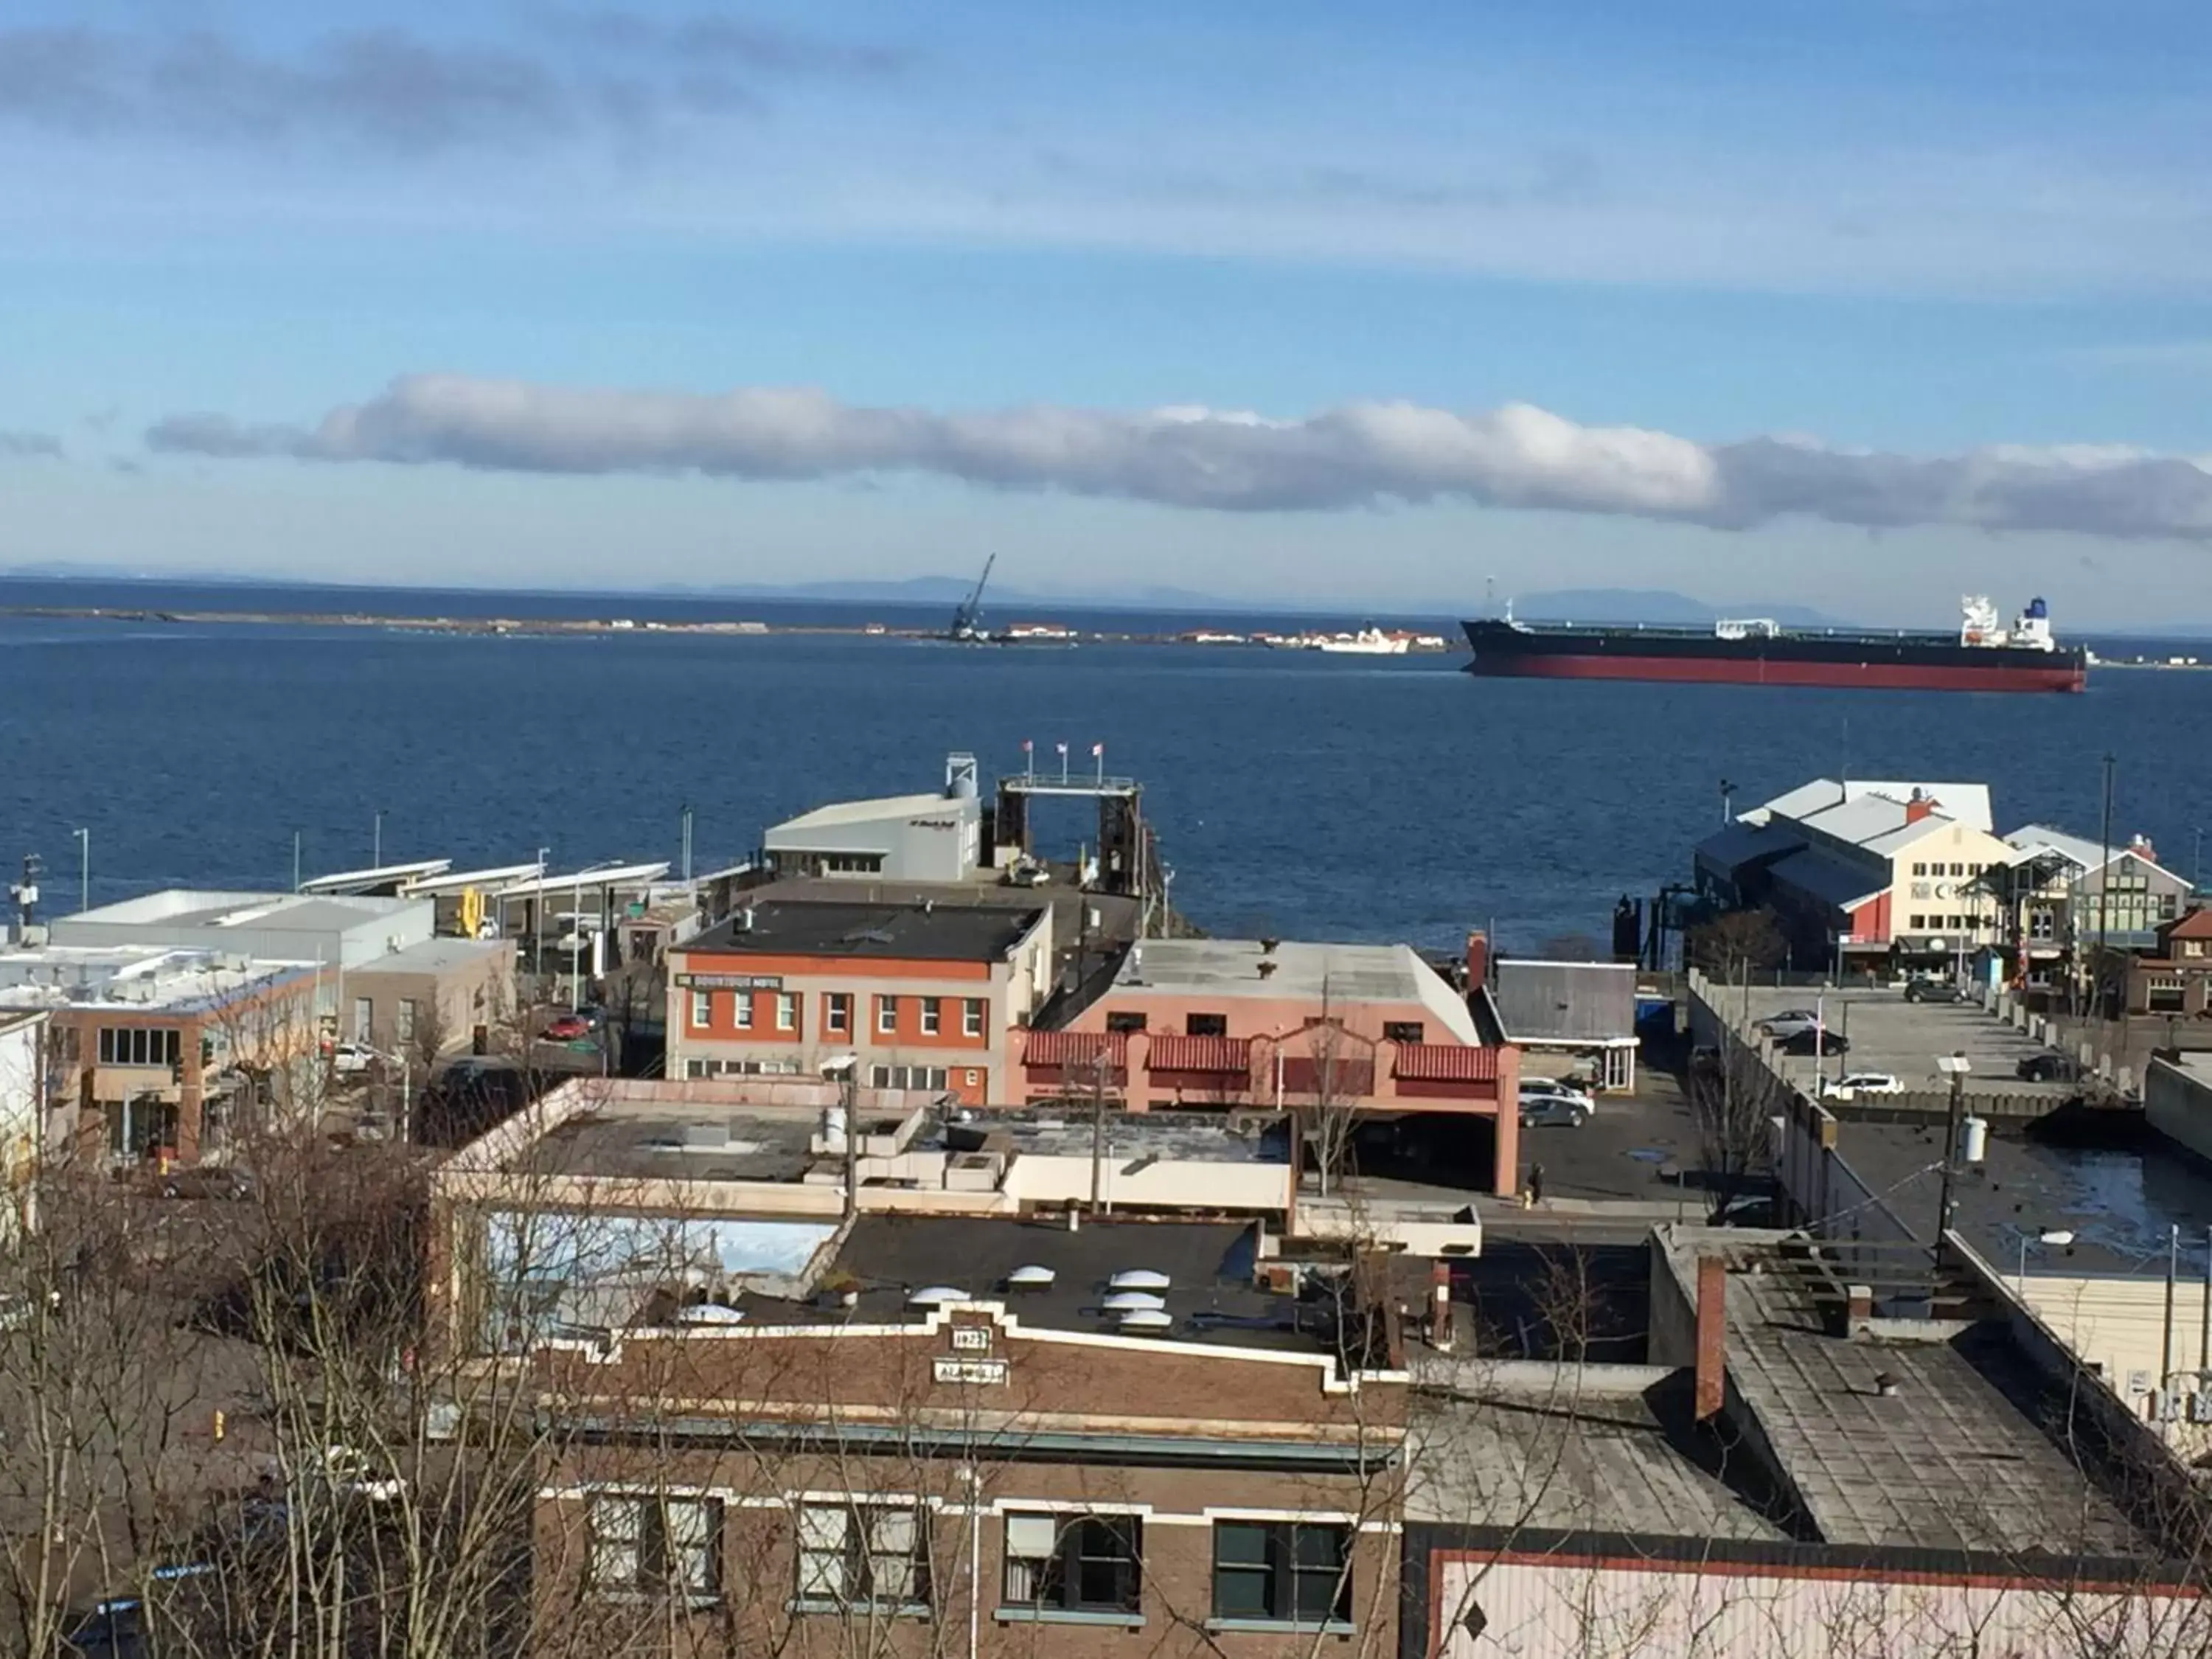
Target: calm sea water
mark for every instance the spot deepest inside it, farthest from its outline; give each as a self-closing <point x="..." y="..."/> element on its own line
<point x="1296" y="794"/>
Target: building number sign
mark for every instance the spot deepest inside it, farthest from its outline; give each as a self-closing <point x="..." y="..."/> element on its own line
<point x="971" y="1339"/>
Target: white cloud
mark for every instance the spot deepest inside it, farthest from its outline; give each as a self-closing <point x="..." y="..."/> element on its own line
<point x="1358" y="455"/>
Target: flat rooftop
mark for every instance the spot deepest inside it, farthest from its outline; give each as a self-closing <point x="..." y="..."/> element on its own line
<point x="1955" y="1456"/>
<point x="133" y="979"/>
<point x="928" y="932"/>
<point x="1575" y="1461"/>
<point x="1198" y="1137"/>
<point x="2106" y="1177"/>
<point x="1301" y="970"/>
<point x="436" y="956"/>
<point x="752" y="1129"/>
<point x="1212" y="1293"/>
<point x="182" y="906"/>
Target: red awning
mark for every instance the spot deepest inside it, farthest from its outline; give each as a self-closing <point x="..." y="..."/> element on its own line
<point x="1446" y="1062"/>
<point x="1201" y="1053"/>
<point x="1075" y="1049"/>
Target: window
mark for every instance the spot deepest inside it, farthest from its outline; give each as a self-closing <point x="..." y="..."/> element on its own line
<point x="787" y="1010"/>
<point x="694" y="1068"/>
<point x="741" y="1004"/>
<point x="852" y="864"/>
<point x="644" y="1543"/>
<point x="1281" y="1571"/>
<point x="1088" y="1563"/>
<point x="1206" y="1026"/>
<point x="140" y="1128"/>
<point x="908" y="1077"/>
<point x="702" y="1010"/>
<point x="404" y="1032"/>
<point x="1125" y="1021"/>
<point x="971" y="1016"/>
<point x="138" y="1045"/>
<point x="2165" y="993"/>
<point x="886" y="1016"/>
<point x="364" y="1013"/>
<point x="931" y="1010"/>
<point x="1920" y="869"/>
<point x="1957" y="869"/>
<point x="863" y="1553"/>
<point x="2192" y="947"/>
<point x="1402" y="1031"/>
<point x="1916" y="922"/>
<point x="838" y="1012"/>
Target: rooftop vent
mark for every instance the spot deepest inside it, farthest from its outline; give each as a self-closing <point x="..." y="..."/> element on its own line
<point x="1031" y="1277"/>
<point x="709" y="1313"/>
<point x="1126" y="1302"/>
<point x="936" y="1296"/>
<point x="1267" y="969"/>
<point x="1148" y="1318"/>
<point x="1139" y="1278"/>
<point x="1267" y="947"/>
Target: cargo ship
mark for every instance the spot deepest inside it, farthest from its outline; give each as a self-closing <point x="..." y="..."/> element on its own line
<point x="1982" y="656"/>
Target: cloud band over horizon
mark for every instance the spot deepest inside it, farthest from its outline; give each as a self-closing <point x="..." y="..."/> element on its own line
<point x="1357" y="455"/>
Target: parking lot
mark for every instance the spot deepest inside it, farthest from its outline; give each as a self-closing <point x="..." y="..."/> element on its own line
<point x="1889" y="1034"/>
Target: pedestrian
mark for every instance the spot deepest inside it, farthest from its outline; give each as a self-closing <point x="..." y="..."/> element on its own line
<point x="1535" y="1183"/>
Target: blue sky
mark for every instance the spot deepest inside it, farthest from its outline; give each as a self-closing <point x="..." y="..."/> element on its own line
<point x="513" y="293"/>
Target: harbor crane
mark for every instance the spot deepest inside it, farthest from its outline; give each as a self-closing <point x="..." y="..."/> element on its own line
<point x="967" y="619"/>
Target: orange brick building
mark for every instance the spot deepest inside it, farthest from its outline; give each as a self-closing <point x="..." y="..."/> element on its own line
<point x="924" y="995"/>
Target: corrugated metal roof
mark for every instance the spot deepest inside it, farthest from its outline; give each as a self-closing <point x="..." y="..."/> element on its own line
<point x="1566" y="1001"/>
<point x="1170" y="1053"/>
<point x="1074" y="1047"/>
<point x="1445" y="1062"/>
<point x="1830" y="880"/>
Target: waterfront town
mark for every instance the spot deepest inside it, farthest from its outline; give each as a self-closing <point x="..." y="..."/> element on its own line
<point x="908" y="1241"/>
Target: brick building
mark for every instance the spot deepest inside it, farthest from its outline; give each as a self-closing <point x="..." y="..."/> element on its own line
<point x="924" y="995"/>
<point x="940" y="1427"/>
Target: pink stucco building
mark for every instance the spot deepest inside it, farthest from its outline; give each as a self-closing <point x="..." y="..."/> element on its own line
<point x="1220" y="1022"/>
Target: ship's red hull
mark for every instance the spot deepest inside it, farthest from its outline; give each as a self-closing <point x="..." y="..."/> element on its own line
<point x="1760" y="670"/>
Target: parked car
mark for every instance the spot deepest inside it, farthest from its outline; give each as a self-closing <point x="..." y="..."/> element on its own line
<point x="223" y="1181"/>
<point x="1552" y="1112"/>
<point x="1933" y="990"/>
<point x="1813" y="1041"/>
<point x="1748" y="1210"/>
<point x="1790" y="1017"/>
<point x="1544" y="1088"/>
<point x="353" y="1059"/>
<point x="1852" y="1085"/>
<point x="566" y="1028"/>
<point x="2045" y="1067"/>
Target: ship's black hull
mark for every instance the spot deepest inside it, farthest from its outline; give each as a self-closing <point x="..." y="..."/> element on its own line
<point x="1917" y="662"/>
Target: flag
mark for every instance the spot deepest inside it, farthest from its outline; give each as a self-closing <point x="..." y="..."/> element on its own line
<point x="1098" y="750"/>
<point x="1061" y="747"/>
<point x="1027" y="746"/>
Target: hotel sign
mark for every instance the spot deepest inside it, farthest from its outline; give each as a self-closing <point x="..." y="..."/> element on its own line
<point x="729" y="981"/>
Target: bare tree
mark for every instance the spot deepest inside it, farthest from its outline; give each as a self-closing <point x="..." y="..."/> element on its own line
<point x="1738" y="942"/>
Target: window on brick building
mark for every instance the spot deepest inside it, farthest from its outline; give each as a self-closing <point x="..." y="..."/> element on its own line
<point x="641" y="1542"/>
<point x="1403" y="1030"/>
<point x="874" y="1555"/>
<point x="973" y="1011"/>
<point x="838" y="1012"/>
<point x="1078" y="1563"/>
<point x="1125" y="1021"/>
<point x="702" y="1010"/>
<point x="1281" y="1571"/>
<point x="1206" y="1025"/>
<point x="886" y="1016"/>
<point x="933" y="1011"/>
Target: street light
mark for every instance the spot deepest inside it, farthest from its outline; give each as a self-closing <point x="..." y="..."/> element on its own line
<point x="84" y="869"/>
<point x="2057" y="1237"/>
<point x="1955" y="1066"/>
<point x="376" y="843"/>
<point x="537" y="921"/>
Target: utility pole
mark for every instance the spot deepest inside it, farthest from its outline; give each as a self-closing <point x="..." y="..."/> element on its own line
<point x="2105" y="893"/>
<point x="1955" y="1066"/>
<point x="84" y="870"/>
<point x="376" y="843"/>
<point x="295" y="861"/>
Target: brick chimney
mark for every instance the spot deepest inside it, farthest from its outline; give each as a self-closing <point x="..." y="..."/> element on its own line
<point x="1922" y="805"/>
<point x="1712" y="1336"/>
<point x="1478" y="960"/>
